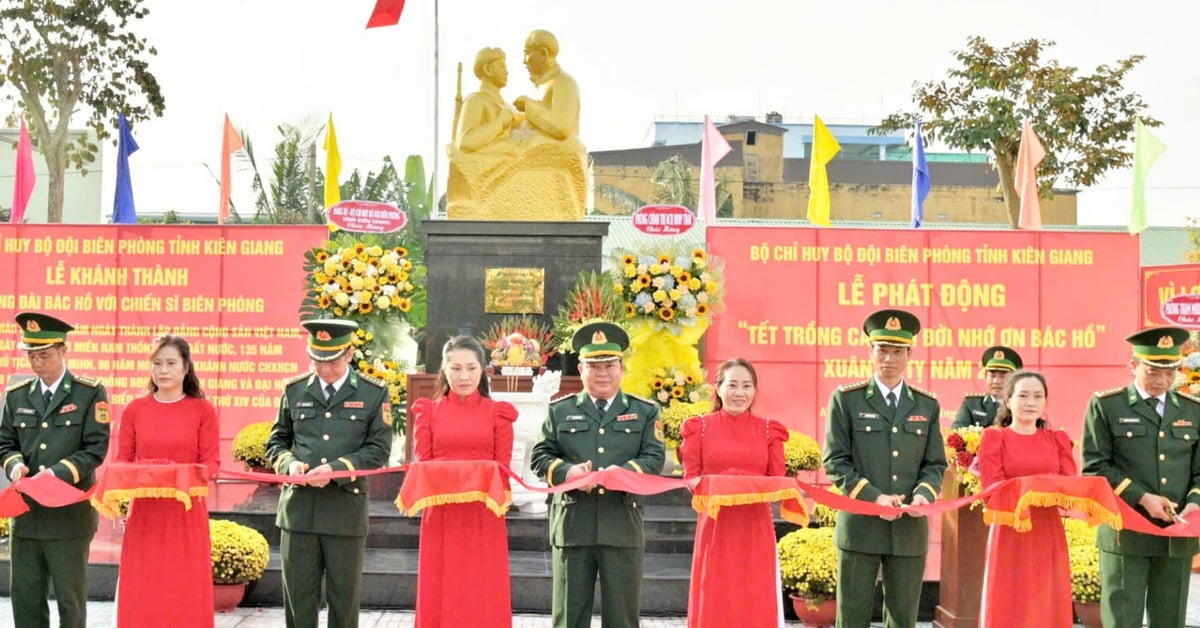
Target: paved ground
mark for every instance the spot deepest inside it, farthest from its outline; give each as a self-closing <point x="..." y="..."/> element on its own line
<point x="100" y="616"/>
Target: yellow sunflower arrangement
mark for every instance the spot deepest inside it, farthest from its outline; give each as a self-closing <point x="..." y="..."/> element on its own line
<point x="669" y="287"/>
<point x="395" y="375"/>
<point x="361" y="280"/>
<point x="1188" y="380"/>
<point x="679" y="385"/>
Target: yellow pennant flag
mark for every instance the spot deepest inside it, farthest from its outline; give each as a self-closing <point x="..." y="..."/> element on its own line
<point x="333" y="166"/>
<point x="824" y="147"/>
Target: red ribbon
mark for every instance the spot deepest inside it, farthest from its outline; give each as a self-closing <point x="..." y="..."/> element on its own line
<point x="48" y="490"/>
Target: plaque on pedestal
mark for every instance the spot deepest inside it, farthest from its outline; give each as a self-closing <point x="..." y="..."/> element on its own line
<point x="481" y="271"/>
<point x="964" y="550"/>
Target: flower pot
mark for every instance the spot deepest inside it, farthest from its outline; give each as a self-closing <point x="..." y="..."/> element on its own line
<point x="1196" y="563"/>
<point x="1088" y="613"/>
<point x="814" y="614"/>
<point x="226" y="597"/>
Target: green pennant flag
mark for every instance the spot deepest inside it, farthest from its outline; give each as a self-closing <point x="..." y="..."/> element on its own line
<point x="1146" y="149"/>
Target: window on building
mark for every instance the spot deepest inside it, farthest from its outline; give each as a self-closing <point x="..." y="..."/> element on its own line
<point x="751" y="167"/>
<point x="751" y="137"/>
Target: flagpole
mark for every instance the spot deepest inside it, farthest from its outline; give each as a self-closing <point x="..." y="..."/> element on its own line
<point x="433" y="211"/>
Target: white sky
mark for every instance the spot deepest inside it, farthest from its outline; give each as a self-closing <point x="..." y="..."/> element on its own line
<point x="267" y="62"/>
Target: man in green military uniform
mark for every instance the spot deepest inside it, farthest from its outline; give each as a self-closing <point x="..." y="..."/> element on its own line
<point x="1143" y="439"/>
<point x="999" y="363"/>
<point x="56" y="423"/>
<point x="330" y="419"/>
<point x="883" y="445"/>
<point x="596" y="530"/>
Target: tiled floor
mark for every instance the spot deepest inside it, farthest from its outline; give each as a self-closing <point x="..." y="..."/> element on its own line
<point x="100" y="616"/>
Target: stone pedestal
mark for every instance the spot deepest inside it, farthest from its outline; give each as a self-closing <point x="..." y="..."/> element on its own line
<point x="459" y="253"/>
<point x="964" y="550"/>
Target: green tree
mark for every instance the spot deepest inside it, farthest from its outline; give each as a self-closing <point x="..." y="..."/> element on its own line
<point x="1085" y="121"/>
<point x="62" y="56"/>
<point x="673" y="184"/>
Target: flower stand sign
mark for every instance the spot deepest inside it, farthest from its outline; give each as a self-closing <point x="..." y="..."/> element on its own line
<point x="663" y="219"/>
<point x="368" y="217"/>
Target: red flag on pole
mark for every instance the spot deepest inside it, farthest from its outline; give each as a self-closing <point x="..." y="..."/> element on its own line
<point x="386" y="13"/>
<point x="713" y="148"/>
<point x="24" y="177"/>
<point x="230" y="143"/>
<point x="1029" y="154"/>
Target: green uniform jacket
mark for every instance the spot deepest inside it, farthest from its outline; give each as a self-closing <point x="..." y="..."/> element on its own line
<point x="70" y="438"/>
<point x="976" y="409"/>
<point x="1139" y="452"/>
<point x="347" y="433"/>
<point x="574" y="432"/>
<point x="868" y="453"/>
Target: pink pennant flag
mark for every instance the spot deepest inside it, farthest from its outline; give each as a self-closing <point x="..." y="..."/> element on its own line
<point x="25" y="178"/>
<point x="713" y="149"/>
<point x="1029" y="155"/>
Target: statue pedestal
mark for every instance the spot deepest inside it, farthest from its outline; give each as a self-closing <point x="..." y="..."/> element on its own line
<point x="964" y="550"/>
<point x="460" y="252"/>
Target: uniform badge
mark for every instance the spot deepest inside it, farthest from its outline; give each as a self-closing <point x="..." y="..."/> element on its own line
<point x="26" y="411"/>
<point x="70" y="407"/>
<point x="627" y="417"/>
<point x="324" y="336"/>
<point x="868" y="415"/>
<point x="1182" y="423"/>
<point x="352" y="404"/>
<point x="304" y="404"/>
<point x="916" y="418"/>
<point x="998" y="355"/>
<point x="978" y="413"/>
<point x="893" y="324"/>
<point x="102" y="412"/>
<point x="1166" y="342"/>
<point x="658" y="431"/>
<point x="574" y="417"/>
<point x="33" y="326"/>
<point x="1128" y="419"/>
<point x="387" y="413"/>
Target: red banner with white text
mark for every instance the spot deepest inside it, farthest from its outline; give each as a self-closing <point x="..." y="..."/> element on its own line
<point x="232" y="292"/>
<point x="796" y="299"/>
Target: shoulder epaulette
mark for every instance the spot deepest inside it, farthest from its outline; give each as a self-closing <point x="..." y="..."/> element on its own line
<point x="1110" y="392"/>
<point x="641" y="399"/>
<point x="300" y="377"/>
<point x="969" y="395"/>
<point x="855" y="386"/>
<point x="371" y="379"/>
<point x="86" y="381"/>
<point x="1188" y="396"/>
<point x="20" y="384"/>
<point x="563" y="398"/>
<point x="922" y="391"/>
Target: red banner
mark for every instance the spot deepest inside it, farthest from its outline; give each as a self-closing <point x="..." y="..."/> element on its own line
<point x="233" y="292"/>
<point x="1171" y="295"/>
<point x="796" y="299"/>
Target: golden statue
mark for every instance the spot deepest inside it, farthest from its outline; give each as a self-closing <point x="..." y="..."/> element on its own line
<point x="519" y="162"/>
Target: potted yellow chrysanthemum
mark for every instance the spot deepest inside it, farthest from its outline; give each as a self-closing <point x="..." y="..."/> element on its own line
<point x="808" y="568"/>
<point x="239" y="556"/>
<point x="801" y="453"/>
<point x="1085" y="571"/>
<point x="250" y="446"/>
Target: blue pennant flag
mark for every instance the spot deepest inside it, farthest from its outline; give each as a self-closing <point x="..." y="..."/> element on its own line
<point x="123" y="211"/>
<point x="921" y="182"/>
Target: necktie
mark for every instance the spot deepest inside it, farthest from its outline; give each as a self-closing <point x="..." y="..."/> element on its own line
<point x="48" y="396"/>
<point x="329" y="390"/>
<point x="891" y="399"/>
<point x="1153" y="401"/>
<point x="600" y="403"/>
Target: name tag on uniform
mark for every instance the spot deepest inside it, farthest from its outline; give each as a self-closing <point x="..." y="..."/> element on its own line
<point x="868" y="415"/>
<point x="574" y="417"/>
<point x="26" y="411"/>
<point x="978" y="413"/>
<point x="1182" y="423"/>
<point x="1128" y="419"/>
<point x="627" y="417"/>
<point x="916" y="418"/>
<point x="352" y="404"/>
<point x="68" y="408"/>
<point x="304" y="404"/>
